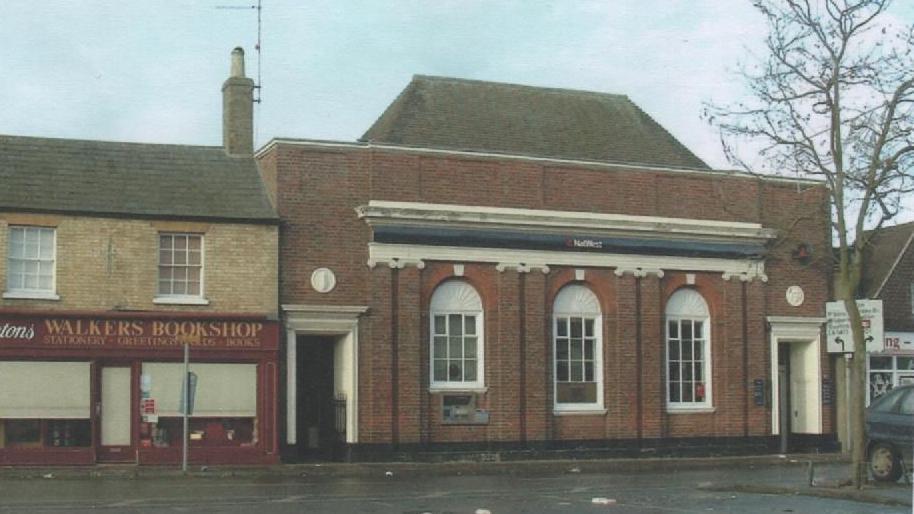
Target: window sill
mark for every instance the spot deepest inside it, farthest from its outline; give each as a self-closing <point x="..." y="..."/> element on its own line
<point x="180" y="300"/>
<point x="461" y="389"/>
<point x="588" y="411"/>
<point x="30" y="295"/>
<point x="690" y="410"/>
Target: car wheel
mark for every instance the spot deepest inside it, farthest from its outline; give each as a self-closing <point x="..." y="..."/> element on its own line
<point x="884" y="463"/>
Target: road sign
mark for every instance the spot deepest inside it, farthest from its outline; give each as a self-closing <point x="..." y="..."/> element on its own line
<point x="838" y="327"/>
<point x="192" y="380"/>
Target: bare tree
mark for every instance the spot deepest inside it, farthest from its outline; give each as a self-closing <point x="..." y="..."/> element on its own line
<point x="831" y="97"/>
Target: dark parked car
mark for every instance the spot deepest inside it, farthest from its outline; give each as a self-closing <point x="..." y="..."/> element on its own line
<point x="890" y="430"/>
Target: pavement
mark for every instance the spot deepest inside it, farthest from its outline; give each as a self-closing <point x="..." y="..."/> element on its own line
<point x="813" y="475"/>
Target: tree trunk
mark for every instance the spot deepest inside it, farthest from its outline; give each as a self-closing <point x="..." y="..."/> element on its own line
<point x="856" y="409"/>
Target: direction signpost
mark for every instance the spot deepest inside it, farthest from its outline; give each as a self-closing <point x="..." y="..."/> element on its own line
<point x="188" y="391"/>
<point x="838" y="326"/>
<point x="840" y="339"/>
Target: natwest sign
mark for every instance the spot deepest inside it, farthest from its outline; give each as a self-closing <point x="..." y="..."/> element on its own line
<point x="126" y="333"/>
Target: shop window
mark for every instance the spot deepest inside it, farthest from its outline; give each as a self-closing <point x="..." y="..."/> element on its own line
<point x="180" y="266"/>
<point x="577" y="350"/>
<point x="224" y="406"/>
<point x="886" y="372"/>
<point x="457" y="338"/>
<point x="45" y="433"/>
<point x="21" y="433"/>
<point x="30" y="263"/>
<point x="688" y="351"/>
<point x="44" y="404"/>
<point x="202" y="432"/>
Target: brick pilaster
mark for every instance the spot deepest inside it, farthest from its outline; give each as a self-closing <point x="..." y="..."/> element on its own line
<point x="626" y="329"/>
<point x="409" y="382"/>
<point x="759" y="357"/>
<point x="537" y="347"/>
<point x="504" y="366"/>
<point x="375" y="391"/>
<point x="653" y="397"/>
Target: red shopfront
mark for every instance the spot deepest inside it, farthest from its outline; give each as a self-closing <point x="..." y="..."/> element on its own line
<point x="82" y="388"/>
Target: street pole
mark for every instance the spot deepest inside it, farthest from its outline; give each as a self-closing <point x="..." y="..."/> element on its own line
<point x="847" y="400"/>
<point x="186" y="404"/>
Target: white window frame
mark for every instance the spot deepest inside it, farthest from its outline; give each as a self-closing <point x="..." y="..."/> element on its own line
<point x="578" y="301"/>
<point x="181" y="299"/>
<point x="693" y="308"/>
<point x="36" y="293"/>
<point x="460" y="298"/>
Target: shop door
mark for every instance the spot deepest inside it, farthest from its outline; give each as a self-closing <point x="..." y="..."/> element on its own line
<point x="114" y="409"/>
<point x="316" y="412"/>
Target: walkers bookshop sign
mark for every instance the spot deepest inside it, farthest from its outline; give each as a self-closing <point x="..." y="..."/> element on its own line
<point x="139" y="334"/>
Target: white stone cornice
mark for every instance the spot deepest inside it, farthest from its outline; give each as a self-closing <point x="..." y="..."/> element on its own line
<point x="348" y="310"/>
<point x="329" y="318"/>
<point x="430" y="214"/>
<point x="544" y="260"/>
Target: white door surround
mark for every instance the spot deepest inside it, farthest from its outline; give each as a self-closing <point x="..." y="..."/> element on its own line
<point x="325" y="320"/>
<point x="804" y="336"/>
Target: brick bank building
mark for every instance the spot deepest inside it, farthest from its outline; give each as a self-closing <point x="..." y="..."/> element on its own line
<point x="506" y="268"/>
<point x="116" y="256"/>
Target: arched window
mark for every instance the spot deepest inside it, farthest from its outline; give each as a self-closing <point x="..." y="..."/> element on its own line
<point x="456" y="353"/>
<point x="577" y="350"/>
<point x="688" y="351"/>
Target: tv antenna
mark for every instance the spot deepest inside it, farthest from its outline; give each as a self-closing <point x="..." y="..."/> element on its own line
<point x="259" y="9"/>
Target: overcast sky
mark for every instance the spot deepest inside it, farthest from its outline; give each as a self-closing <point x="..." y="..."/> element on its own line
<point x="151" y="70"/>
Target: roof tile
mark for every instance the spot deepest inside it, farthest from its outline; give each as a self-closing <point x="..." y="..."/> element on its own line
<point x="112" y="178"/>
<point x="457" y="114"/>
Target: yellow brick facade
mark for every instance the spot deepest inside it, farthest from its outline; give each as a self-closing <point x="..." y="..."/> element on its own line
<point x="112" y="264"/>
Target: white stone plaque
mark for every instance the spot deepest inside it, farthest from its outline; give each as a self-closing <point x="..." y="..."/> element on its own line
<point x="323" y="280"/>
<point x="795" y="296"/>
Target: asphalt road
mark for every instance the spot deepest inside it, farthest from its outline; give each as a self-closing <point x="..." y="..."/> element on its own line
<point x="564" y="492"/>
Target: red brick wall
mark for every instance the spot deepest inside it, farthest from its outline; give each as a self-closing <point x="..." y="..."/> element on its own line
<point x="317" y="193"/>
<point x="318" y="188"/>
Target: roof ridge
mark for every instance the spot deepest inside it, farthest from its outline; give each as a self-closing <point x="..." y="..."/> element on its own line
<point x="106" y="141"/>
<point x="669" y="134"/>
<point x="512" y="85"/>
<point x="393" y="109"/>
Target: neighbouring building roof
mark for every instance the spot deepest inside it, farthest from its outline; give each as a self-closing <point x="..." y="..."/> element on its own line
<point x="880" y="257"/>
<point x="457" y="114"/>
<point x="134" y="179"/>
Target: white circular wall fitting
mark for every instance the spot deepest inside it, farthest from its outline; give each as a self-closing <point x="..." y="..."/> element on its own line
<point x="795" y="296"/>
<point x="323" y="280"/>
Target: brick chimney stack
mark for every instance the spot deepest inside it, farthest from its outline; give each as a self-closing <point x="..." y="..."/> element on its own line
<point x="238" y="109"/>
